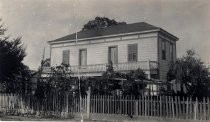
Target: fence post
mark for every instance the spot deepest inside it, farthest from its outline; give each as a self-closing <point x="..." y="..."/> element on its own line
<point x="21" y="104"/>
<point x="3" y="102"/>
<point x="103" y="107"/>
<point x="204" y="108"/>
<point x="67" y="104"/>
<point x="187" y="108"/>
<point x="190" y="111"/>
<point x="161" y="113"/>
<point x="176" y="106"/>
<point x="136" y="107"/>
<point x="88" y="103"/>
<point x="145" y="110"/>
<point x="140" y="105"/>
<point x="208" y="104"/>
<point x="179" y="106"/>
<point x="195" y="108"/>
<point x="172" y="100"/>
<point x="167" y="109"/>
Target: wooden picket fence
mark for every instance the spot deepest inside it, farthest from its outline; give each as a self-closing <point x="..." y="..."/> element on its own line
<point x="159" y="106"/>
<point x="59" y="105"/>
<point x="64" y="105"/>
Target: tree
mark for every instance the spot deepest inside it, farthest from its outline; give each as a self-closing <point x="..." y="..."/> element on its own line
<point x="190" y="72"/>
<point x="60" y="80"/>
<point x="13" y="73"/>
<point x="100" y="22"/>
<point x="57" y="85"/>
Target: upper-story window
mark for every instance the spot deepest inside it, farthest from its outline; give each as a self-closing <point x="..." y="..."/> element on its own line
<point x="113" y="55"/>
<point x="65" y="59"/>
<point x="83" y="57"/>
<point x="132" y="52"/>
<point x="163" y="46"/>
<point x="171" y="51"/>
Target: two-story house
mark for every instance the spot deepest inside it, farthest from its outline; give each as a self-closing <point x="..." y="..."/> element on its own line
<point x="128" y="47"/>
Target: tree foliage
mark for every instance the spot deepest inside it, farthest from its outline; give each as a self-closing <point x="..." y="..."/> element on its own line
<point x="59" y="82"/>
<point x="190" y="72"/>
<point x="13" y="73"/>
<point x="132" y="75"/>
<point x="60" y="79"/>
<point x="100" y="22"/>
<point x="112" y="81"/>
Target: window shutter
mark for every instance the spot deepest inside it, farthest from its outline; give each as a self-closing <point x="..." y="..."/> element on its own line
<point x="66" y="57"/>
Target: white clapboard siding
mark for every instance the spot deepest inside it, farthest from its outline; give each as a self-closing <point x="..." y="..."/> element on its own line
<point x="97" y="53"/>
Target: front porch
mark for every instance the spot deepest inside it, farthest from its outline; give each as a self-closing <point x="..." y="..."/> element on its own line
<point x="149" y="67"/>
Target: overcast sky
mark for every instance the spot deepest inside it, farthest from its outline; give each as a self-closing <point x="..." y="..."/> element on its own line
<point x="39" y="21"/>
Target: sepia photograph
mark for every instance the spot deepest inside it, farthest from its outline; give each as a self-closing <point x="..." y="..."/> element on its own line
<point x="105" y="60"/>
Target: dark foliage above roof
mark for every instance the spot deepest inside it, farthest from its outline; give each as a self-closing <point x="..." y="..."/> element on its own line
<point x="101" y="22"/>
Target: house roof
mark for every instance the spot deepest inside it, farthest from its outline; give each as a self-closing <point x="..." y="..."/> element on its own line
<point x="113" y="30"/>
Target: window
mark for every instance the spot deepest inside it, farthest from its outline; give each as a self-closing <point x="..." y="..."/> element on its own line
<point x="171" y="51"/>
<point x="83" y="57"/>
<point x="65" y="59"/>
<point x="163" y="46"/>
<point x="113" y="55"/>
<point x="132" y="52"/>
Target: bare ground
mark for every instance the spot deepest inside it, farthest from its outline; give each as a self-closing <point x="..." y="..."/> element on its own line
<point x="101" y="119"/>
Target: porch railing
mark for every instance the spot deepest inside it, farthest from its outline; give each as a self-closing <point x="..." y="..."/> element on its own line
<point x="127" y="66"/>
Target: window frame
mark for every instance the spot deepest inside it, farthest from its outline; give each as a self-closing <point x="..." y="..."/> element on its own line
<point x="68" y="58"/>
<point x="163" y="54"/>
<point x="80" y="50"/>
<point x="129" y="60"/>
<point x="109" y="53"/>
<point x="171" y="51"/>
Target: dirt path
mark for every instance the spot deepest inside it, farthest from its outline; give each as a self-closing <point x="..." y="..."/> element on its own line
<point x="31" y="118"/>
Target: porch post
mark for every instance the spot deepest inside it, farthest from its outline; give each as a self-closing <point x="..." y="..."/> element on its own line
<point x="88" y="103"/>
<point x="149" y="73"/>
